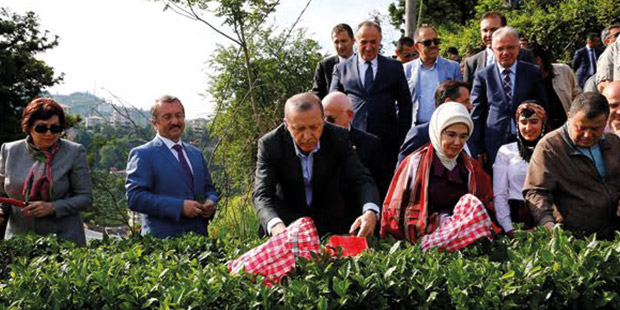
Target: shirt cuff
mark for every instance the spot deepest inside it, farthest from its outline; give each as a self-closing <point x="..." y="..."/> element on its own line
<point x="272" y="223"/>
<point x="372" y="207"/>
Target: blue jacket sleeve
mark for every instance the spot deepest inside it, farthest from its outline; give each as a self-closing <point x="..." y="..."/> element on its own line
<point x="139" y="189"/>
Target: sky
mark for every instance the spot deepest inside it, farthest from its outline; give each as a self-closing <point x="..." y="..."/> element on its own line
<point x="135" y="51"/>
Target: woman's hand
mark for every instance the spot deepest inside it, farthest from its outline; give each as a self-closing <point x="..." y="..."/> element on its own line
<point x="39" y="209"/>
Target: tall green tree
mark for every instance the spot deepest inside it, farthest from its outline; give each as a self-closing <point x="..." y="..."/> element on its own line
<point x="22" y="75"/>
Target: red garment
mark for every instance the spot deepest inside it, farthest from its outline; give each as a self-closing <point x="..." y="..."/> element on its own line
<point x="405" y="209"/>
<point x="275" y="258"/>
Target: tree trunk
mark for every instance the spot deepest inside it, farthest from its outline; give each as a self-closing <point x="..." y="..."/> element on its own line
<point x="410" y="18"/>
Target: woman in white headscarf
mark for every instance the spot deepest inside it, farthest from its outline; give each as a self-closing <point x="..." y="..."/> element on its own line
<point x="439" y="194"/>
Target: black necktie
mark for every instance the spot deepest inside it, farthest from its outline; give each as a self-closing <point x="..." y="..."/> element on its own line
<point x="368" y="77"/>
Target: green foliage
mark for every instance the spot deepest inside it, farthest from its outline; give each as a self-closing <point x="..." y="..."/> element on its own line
<point x="560" y="25"/>
<point x="238" y="220"/>
<point x="439" y="13"/>
<point x="23" y="76"/>
<point x="531" y="271"/>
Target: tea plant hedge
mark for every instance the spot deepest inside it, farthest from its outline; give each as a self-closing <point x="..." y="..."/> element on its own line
<point x="531" y="271"/>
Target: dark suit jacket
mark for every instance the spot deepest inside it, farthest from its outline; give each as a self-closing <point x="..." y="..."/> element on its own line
<point x="581" y="64"/>
<point x="478" y="62"/>
<point x="416" y="137"/>
<point x="388" y="101"/>
<point x="279" y="186"/>
<point x="156" y="187"/>
<point x="323" y="75"/>
<point x="491" y="112"/>
<point x="370" y="151"/>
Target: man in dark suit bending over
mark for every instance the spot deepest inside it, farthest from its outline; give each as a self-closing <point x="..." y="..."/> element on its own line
<point x="299" y="167"/>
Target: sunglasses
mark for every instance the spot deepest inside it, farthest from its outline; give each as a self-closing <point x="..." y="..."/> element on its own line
<point x="412" y="54"/>
<point x="41" y="128"/>
<point x="428" y="43"/>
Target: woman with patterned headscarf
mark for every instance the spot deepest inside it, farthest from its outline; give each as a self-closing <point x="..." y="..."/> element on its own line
<point x="45" y="177"/>
<point x="439" y="195"/>
<point x="510" y="167"/>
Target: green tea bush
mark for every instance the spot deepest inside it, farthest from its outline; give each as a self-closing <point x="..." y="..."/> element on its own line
<point x="531" y="271"/>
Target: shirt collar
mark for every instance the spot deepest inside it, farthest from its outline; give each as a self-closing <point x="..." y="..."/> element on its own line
<point x="300" y="154"/>
<point x="513" y="68"/>
<point x="373" y="62"/>
<point x="342" y="59"/>
<point x="431" y="68"/>
<point x="169" y="143"/>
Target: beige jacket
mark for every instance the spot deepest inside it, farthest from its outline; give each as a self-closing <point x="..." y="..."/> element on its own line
<point x="608" y="65"/>
<point x="565" y="84"/>
<point x="559" y="174"/>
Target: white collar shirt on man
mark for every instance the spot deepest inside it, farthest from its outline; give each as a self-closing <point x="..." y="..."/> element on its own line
<point x="361" y="68"/>
<point x="342" y="59"/>
<point x="490" y="57"/>
<point x="170" y="144"/>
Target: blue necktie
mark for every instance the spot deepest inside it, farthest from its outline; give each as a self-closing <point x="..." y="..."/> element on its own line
<point x="368" y="77"/>
<point x="184" y="164"/>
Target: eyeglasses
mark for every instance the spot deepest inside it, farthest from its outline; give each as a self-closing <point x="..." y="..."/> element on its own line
<point x="428" y="43"/>
<point x="412" y="54"/>
<point x="41" y="128"/>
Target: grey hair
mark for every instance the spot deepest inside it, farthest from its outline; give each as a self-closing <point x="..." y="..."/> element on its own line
<point x="369" y="23"/>
<point x="301" y="103"/>
<point x="505" y="31"/>
<point x="164" y="99"/>
<point x="605" y="33"/>
<point x="416" y="35"/>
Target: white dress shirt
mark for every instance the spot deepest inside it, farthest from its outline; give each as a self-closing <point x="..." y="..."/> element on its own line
<point x="361" y="68"/>
<point x="509" y="172"/>
<point x="169" y="143"/>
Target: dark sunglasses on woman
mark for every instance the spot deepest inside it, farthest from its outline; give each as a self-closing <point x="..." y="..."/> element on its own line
<point x="41" y="128"/>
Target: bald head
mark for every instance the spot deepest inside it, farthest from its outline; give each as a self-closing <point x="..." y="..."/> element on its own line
<point x="338" y="109"/>
<point x="612" y="93"/>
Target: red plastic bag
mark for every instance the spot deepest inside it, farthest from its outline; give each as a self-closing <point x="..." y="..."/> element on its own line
<point x="351" y="245"/>
<point x="13" y="202"/>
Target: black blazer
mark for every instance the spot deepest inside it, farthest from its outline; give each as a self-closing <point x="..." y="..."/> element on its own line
<point x="581" y="64"/>
<point x="388" y="101"/>
<point x="279" y="187"/>
<point x="478" y="62"/>
<point x="323" y="75"/>
<point x="370" y="151"/>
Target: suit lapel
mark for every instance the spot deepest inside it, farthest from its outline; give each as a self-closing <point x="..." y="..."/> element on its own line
<point x="170" y="159"/>
<point x="497" y="77"/>
<point x="355" y="69"/>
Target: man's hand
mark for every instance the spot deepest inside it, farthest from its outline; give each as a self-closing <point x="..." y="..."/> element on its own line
<point x="280" y="227"/>
<point x="38" y="209"/>
<point x="549" y="226"/>
<point x="618" y="209"/>
<point x="208" y="208"/>
<point x="1" y="215"/>
<point x="191" y="209"/>
<point x="366" y="223"/>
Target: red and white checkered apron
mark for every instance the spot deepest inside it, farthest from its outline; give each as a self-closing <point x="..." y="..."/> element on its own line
<point x="468" y="223"/>
<point x="276" y="257"/>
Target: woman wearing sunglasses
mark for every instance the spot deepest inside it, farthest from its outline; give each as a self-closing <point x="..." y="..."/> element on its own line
<point x="46" y="172"/>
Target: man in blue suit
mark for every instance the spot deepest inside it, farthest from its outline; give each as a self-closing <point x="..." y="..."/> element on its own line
<point x="379" y="92"/>
<point x="584" y="61"/>
<point x="497" y="92"/>
<point x="167" y="179"/>
<point x="430" y="68"/>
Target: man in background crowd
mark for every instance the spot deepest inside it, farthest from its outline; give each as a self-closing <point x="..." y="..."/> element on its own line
<point x="342" y="37"/>
<point x="405" y="51"/>
<point x="584" y="61"/>
<point x="489" y="22"/>
<point x="426" y="73"/>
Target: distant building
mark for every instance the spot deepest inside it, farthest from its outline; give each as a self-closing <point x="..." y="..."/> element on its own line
<point x="117" y="120"/>
<point x="66" y="108"/>
<point x="93" y="121"/>
<point x="199" y="125"/>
